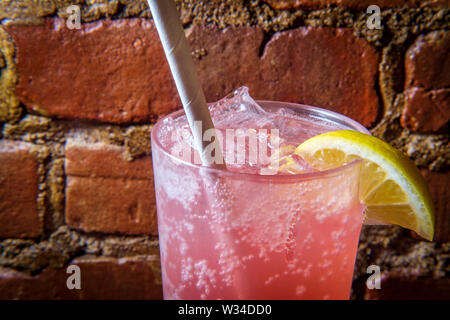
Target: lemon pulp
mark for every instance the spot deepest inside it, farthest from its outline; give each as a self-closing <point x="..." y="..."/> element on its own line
<point x="391" y="186"/>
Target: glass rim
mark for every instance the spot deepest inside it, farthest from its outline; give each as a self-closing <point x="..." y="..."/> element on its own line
<point x="320" y="113"/>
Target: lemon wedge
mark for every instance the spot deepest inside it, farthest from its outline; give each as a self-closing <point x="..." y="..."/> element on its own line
<point x="391" y="187"/>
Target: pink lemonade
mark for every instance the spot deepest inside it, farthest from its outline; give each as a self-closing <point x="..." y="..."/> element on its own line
<point x="255" y="231"/>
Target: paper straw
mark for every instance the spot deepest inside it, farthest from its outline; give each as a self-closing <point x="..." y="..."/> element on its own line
<point x="178" y="54"/>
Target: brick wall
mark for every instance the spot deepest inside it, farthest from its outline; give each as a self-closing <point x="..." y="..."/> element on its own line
<point x="77" y="108"/>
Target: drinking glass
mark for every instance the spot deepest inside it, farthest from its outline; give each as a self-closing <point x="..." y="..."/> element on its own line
<point x="235" y="235"/>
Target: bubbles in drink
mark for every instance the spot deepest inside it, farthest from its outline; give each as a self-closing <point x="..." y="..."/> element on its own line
<point x="300" y="290"/>
<point x="235" y="236"/>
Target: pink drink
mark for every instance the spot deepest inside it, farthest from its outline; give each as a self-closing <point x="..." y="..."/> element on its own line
<point x="238" y="234"/>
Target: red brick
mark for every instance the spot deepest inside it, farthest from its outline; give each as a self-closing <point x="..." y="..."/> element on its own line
<point x="19" y="215"/>
<point x="111" y="71"/>
<point x="427" y="62"/>
<point x="402" y="286"/>
<point x="101" y="278"/>
<point x="427" y="66"/>
<point x="107" y="161"/>
<point x="231" y="59"/>
<point x="110" y="84"/>
<point x="324" y="67"/>
<point x="105" y="193"/>
<point x="439" y="185"/>
<point x="328" y="68"/>
<point x="352" y="4"/>
<point x="426" y="111"/>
